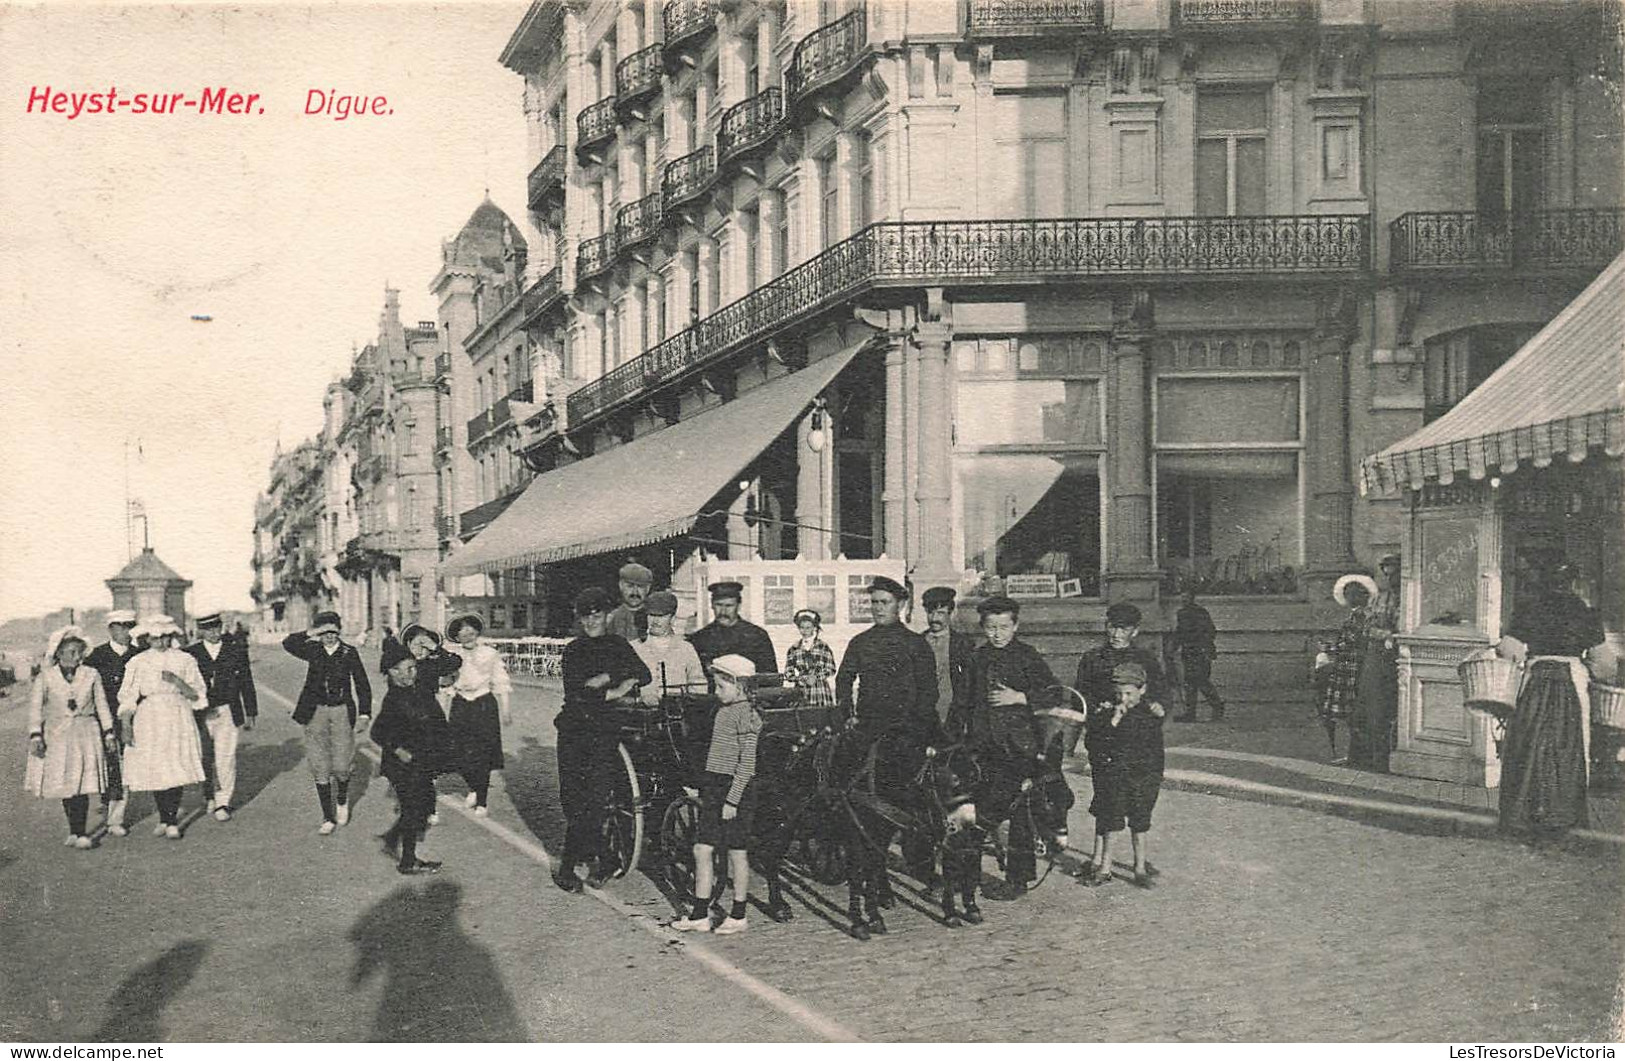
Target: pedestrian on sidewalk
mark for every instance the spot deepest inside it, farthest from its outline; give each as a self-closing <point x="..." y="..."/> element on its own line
<point x="1376" y="695"/>
<point x="1545" y="754"/>
<point x="232" y="706"/>
<point x="162" y="691"/>
<point x="1195" y="641"/>
<point x="334" y="707"/>
<point x="108" y="660"/>
<point x="414" y="744"/>
<point x="727" y="799"/>
<point x="1342" y="680"/>
<point x="598" y="667"/>
<point x="69" y="731"/>
<point x="630" y="619"/>
<point x="673" y="664"/>
<point x="1126" y="767"/>
<point x="480" y="707"/>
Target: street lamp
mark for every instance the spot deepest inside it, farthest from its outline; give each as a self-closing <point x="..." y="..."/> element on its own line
<point x="815" y="430"/>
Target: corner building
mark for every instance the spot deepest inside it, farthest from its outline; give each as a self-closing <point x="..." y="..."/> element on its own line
<point x="1112" y="297"/>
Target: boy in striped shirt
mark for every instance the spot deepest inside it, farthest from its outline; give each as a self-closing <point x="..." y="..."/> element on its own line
<point x="727" y="798"/>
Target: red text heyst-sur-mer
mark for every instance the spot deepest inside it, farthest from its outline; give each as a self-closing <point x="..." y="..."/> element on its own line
<point x="326" y="103"/>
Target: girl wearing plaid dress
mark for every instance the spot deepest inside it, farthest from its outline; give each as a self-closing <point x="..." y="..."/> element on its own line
<point x="1342" y="677"/>
<point x="810" y="665"/>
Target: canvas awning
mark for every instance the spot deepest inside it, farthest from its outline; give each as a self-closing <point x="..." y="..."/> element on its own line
<point x="1561" y="395"/>
<point x="647" y="490"/>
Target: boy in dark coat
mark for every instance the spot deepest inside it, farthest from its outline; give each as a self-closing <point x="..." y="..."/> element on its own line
<point x="1126" y="762"/>
<point x="413" y="744"/>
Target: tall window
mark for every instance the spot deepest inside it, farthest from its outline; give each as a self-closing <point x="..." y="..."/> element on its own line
<point x="1510" y="139"/>
<point x="617" y="318"/>
<point x="1028" y="174"/>
<point x="829" y="221"/>
<point x="604" y="364"/>
<point x="691" y="265"/>
<point x="863" y="206"/>
<point x="781" y="235"/>
<point x="1231" y="152"/>
<point x="750" y="225"/>
<point x="753" y="62"/>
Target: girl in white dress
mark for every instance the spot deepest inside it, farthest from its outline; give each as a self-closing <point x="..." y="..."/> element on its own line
<point x="68" y="726"/>
<point x="163" y="753"/>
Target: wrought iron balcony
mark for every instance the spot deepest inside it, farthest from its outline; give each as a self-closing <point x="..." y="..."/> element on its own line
<point x="637" y="223"/>
<point x="993" y="253"/>
<point x="595" y="257"/>
<point x="1242" y="13"/>
<point x="1465" y="242"/>
<point x="442" y="365"/>
<point x="545" y="184"/>
<point x="546" y="294"/>
<point x="827" y="54"/>
<point x="686" y="21"/>
<point x="595" y="127"/>
<point x="1032" y="18"/>
<point x="446" y="526"/>
<point x="637" y="79"/>
<point x="686" y="179"/>
<point x="521" y="393"/>
<point x="749" y="125"/>
<point x="442" y="438"/>
<point x="489" y="421"/>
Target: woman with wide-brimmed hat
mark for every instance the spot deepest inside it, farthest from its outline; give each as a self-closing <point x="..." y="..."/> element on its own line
<point x="163" y="754"/>
<point x="1342" y="679"/>
<point x="1376" y="694"/>
<point x="479" y="708"/>
<point x="68" y="726"/>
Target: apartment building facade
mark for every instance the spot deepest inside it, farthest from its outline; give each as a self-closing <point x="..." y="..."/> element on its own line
<point x="1122" y="291"/>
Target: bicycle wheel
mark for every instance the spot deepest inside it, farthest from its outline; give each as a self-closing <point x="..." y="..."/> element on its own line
<point x="623" y="817"/>
<point x="679" y="827"/>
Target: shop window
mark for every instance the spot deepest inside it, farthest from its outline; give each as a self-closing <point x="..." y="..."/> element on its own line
<point x="1031" y="514"/>
<point x="1028" y="412"/>
<point x="821" y="591"/>
<point x="499" y="616"/>
<point x="778" y="600"/>
<point x="1206" y="410"/>
<point x="520" y="615"/>
<point x="857" y="599"/>
<point x="1449" y="574"/>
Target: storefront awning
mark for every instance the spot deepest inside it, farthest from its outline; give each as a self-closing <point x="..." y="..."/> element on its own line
<point x="1561" y="395"/>
<point x="647" y="490"/>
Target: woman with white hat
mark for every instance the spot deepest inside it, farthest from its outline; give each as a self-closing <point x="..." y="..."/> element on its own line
<point x="68" y="724"/>
<point x="1354" y="592"/>
<point x="163" y="753"/>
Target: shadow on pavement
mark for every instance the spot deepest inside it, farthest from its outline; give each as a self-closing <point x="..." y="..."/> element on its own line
<point x="532" y="780"/>
<point x="260" y="764"/>
<point x="439" y="985"/>
<point x="138" y="1004"/>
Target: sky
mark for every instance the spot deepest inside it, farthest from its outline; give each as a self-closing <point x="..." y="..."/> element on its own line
<point x="284" y="228"/>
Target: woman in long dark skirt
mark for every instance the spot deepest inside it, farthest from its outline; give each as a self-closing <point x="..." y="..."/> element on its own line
<point x="1376" y="696"/>
<point x="479" y="708"/>
<point x="1543" y="757"/>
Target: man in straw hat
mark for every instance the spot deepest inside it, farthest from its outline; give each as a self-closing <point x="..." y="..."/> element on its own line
<point x="108" y="660"/>
<point x="232" y="706"/>
<point x="334" y="705"/>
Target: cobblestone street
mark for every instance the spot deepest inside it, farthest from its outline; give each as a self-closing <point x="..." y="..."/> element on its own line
<point x="1270" y="923"/>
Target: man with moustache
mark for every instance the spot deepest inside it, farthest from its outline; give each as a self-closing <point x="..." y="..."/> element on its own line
<point x="630" y="619"/>
<point x="730" y="634"/>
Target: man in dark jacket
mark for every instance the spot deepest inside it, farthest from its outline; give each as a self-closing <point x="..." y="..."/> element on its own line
<point x="334" y="705"/>
<point x="731" y="634"/>
<point x="893" y="667"/>
<point x="414" y="744"/>
<point x="1194" y="640"/>
<point x="951" y="649"/>
<point x="109" y="660"/>
<point x="231" y="705"/>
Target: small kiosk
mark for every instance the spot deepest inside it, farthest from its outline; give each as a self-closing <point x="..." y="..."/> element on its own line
<point x="1526" y="466"/>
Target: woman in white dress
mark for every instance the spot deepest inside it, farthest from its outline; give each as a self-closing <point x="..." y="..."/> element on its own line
<point x="163" y="753"/>
<point x="68" y="726"/>
<point x="479" y="708"/>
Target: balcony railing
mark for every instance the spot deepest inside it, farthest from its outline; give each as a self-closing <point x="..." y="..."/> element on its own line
<point x="919" y="253"/>
<point x="546" y="181"/>
<point x="521" y="393"/>
<point x="748" y="125"/>
<point x="543" y="295"/>
<point x="637" y="77"/>
<point x="1032" y="18"/>
<point x="595" y="125"/>
<point x="1243" y="12"/>
<point x="446" y="526"/>
<point x="442" y="438"/>
<point x="1462" y="241"/>
<point x="489" y="420"/>
<point x="685" y="20"/>
<point x="637" y="223"/>
<point x="686" y="179"/>
<point x="827" y="54"/>
<point x="595" y="257"/>
<point x="442" y="365"/>
<point x="479" y="517"/>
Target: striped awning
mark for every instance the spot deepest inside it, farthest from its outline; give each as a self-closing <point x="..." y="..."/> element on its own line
<point x="647" y="490"/>
<point x="1562" y="396"/>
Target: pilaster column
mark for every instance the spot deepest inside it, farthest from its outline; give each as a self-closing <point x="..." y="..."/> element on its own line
<point x="846" y="181"/>
<point x="767" y="227"/>
<point x="1328" y="525"/>
<point x="933" y="490"/>
<point x="628" y="32"/>
<point x="707" y="260"/>
<point x="894" y="498"/>
<point x="1130" y="568"/>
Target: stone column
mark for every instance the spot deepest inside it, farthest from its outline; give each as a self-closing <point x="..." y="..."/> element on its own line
<point x="894" y="499"/>
<point x="1130" y="568"/>
<point x="933" y="489"/>
<point x="1328" y="525"/>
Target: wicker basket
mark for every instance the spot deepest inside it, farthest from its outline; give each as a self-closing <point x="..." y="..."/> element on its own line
<point x="1489" y="683"/>
<point x="1608" y="705"/>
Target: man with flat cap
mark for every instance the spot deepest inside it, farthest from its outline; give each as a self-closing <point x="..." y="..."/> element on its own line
<point x="1094" y="679"/>
<point x="630" y="619"/>
<point x="673" y="664"/>
<point x="108" y="660"/>
<point x="231" y="704"/>
<point x="950" y="648"/>
<point x="893" y="668"/>
<point x="731" y="634"/>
